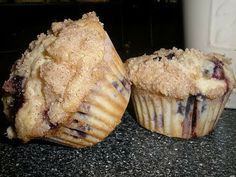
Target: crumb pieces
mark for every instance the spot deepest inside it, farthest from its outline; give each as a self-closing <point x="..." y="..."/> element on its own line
<point x="178" y="73"/>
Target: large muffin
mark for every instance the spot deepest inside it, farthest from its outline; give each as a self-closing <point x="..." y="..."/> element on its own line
<point x="180" y="93"/>
<point x="69" y="86"/>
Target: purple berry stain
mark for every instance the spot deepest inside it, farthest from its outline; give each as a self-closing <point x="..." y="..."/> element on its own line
<point x="160" y="121"/>
<point x="194" y="118"/>
<point x="80" y="132"/>
<point x="115" y="84"/>
<point x="191" y="114"/>
<point x="125" y="84"/>
<point x="47" y="119"/>
<point x="181" y="108"/>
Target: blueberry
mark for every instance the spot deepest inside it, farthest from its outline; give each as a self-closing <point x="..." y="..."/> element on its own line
<point x="14" y="88"/>
<point x="170" y="56"/>
<point x="218" y="72"/>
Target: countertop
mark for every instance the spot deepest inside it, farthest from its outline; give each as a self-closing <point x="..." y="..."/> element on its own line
<point x="129" y="151"/>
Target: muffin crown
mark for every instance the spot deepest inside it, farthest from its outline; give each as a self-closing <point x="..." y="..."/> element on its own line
<point x="179" y="73"/>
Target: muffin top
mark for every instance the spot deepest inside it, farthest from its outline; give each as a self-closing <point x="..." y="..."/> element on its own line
<point x="56" y="72"/>
<point x="179" y="73"/>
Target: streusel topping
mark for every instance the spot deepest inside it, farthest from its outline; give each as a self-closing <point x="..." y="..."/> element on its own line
<point x="179" y="73"/>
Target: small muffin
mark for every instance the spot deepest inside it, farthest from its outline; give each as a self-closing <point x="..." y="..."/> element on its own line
<point x="180" y="93"/>
<point x="70" y="86"/>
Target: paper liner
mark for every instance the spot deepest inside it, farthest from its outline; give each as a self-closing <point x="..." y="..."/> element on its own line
<point x="195" y="116"/>
<point x="101" y="110"/>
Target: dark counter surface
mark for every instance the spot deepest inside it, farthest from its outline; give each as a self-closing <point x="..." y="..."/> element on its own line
<point x="129" y="151"/>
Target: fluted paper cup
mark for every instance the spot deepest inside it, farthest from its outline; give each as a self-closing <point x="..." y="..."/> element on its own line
<point x="195" y="116"/>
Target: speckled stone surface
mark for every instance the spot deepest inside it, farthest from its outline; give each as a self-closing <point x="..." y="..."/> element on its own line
<point x="129" y="151"/>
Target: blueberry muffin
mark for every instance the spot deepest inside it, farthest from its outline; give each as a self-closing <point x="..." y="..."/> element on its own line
<point x="180" y="93"/>
<point x="70" y="86"/>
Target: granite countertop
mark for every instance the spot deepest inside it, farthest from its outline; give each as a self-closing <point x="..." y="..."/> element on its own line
<point x="129" y="151"/>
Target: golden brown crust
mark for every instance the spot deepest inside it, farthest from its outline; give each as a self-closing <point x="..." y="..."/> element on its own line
<point x="177" y="73"/>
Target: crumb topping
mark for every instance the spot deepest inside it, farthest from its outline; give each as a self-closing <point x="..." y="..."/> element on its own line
<point x="179" y="73"/>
